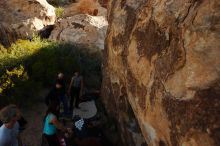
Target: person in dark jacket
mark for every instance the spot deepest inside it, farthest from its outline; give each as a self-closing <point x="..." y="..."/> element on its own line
<point x="54" y="94"/>
<point x="63" y="99"/>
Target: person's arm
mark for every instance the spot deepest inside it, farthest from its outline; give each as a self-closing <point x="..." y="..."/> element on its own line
<point x="58" y="124"/>
<point x="16" y="130"/>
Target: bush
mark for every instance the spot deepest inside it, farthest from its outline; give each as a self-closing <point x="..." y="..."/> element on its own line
<point x="29" y="66"/>
<point x="59" y="12"/>
<point x="9" y="78"/>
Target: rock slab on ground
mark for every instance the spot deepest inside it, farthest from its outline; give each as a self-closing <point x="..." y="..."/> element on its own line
<point x="86" y="110"/>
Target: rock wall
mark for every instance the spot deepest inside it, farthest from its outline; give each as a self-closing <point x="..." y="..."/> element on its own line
<point x="23" y="18"/>
<point x="163" y="58"/>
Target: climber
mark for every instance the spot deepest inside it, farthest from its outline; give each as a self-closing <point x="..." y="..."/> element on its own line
<point x="60" y="79"/>
<point x="9" y="131"/>
<point x="75" y="89"/>
<point x="52" y="124"/>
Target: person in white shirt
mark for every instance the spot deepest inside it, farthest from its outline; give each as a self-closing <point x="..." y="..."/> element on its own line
<point x="9" y="131"/>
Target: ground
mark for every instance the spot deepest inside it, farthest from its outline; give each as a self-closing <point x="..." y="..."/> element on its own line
<point x="31" y="136"/>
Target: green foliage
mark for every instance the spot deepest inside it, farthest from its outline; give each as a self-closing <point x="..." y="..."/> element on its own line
<point x="9" y="78"/>
<point x="59" y="12"/>
<point x="29" y="66"/>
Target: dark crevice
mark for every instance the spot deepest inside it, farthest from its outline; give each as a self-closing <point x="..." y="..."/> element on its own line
<point x="46" y="31"/>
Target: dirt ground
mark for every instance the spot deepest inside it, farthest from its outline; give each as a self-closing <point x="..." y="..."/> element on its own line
<point x="31" y="136"/>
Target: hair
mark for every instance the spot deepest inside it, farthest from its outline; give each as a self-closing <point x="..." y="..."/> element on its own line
<point x="60" y="75"/>
<point x="52" y="108"/>
<point x="8" y="113"/>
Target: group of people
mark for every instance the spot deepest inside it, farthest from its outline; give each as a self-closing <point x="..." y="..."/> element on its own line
<point x="10" y="115"/>
<point x="59" y="92"/>
<point x="56" y="96"/>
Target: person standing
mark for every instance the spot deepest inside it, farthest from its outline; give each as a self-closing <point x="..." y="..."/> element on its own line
<point x="9" y="131"/>
<point x="63" y="99"/>
<point x="52" y="124"/>
<point x="54" y="96"/>
<point x="75" y="89"/>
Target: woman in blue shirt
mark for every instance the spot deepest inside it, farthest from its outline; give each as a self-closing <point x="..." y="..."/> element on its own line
<point x="51" y="124"/>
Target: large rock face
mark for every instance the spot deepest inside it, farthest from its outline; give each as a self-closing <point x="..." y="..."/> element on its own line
<point x="163" y="58"/>
<point x="24" y="17"/>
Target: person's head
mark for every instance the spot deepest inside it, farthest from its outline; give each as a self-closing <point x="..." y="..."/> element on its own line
<point x="58" y="85"/>
<point x="60" y="75"/>
<point x="76" y="73"/>
<point x="10" y="114"/>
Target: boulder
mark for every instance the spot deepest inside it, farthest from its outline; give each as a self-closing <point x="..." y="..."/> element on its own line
<point x="90" y="7"/>
<point x="24" y="17"/>
<point x="81" y="29"/>
<point x="162" y="57"/>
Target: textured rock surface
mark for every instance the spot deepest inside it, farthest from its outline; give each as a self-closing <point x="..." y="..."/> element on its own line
<point x="163" y="58"/>
<point x="23" y="17"/>
<point x="104" y="3"/>
<point x="7" y="35"/>
<point x="81" y="29"/>
<point x="90" y="7"/>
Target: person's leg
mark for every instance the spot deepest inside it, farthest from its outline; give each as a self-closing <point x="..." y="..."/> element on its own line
<point x="52" y="140"/>
<point x="77" y="102"/>
<point x="65" y="104"/>
<point x="71" y="102"/>
<point x="73" y="95"/>
<point x="77" y="97"/>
